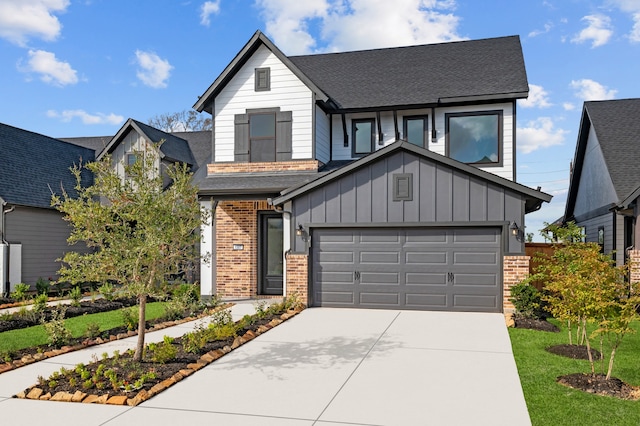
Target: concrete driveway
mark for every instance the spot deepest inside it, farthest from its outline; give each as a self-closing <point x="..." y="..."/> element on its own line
<point x="335" y="367"/>
<point x="357" y="367"/>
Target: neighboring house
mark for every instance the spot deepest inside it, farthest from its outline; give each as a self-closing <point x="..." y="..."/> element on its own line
<point x="605" y="178"/>
<point x="380" y="178"/>
<point x="32" y="167"/>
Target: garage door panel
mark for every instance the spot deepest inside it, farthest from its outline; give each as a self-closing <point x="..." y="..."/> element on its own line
<point x="336" y="257"/>
<point x="426" y="301"/>
<point x="425" y="279"/>
<point x="425" y="236"/>
<point x="426" y="257"/>
<point x="409" y="268"/>
<point x="475" y="235"/>
<point x="474" y="302"/>
<point x="392" y="258"/>
<point x="379" y="299"/>
<point x="476" y="280"/>
<point x="475" y="258"/>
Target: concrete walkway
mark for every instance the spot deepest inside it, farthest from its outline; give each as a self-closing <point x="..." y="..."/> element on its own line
<point x="323" y="367"/>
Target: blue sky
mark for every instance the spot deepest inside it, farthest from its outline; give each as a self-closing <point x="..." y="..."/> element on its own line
<point x="81" y="68"/>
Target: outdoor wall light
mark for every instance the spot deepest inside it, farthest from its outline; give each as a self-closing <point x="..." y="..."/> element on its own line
<point x="300" y="230"/>
<point x="514" y="229"/>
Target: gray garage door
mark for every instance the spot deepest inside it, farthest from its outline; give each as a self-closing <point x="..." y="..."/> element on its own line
<point x="409" y="268"/>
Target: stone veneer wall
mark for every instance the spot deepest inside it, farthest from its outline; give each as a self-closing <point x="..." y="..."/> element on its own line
<point x="634" y="266"/>
<point x="298" y="276"/>
<point x="237" y="270"/>
<point x="515" y="269"/>
<point x="279" y="166"/>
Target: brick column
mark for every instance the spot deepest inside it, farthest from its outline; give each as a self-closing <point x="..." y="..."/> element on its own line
<point x="298" y="276"/>
<point x="634" y="266"/>
<point x="515" y="269"/>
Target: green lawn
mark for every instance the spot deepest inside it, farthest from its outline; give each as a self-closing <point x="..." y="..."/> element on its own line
<point x="35" y="336"/>
<point x="550" y="403"/>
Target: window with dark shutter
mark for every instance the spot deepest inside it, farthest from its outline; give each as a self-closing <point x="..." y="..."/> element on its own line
<point x="263" y="135"/>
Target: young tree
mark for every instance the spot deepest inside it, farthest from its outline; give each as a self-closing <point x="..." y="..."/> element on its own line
<point x="140" y="233"/>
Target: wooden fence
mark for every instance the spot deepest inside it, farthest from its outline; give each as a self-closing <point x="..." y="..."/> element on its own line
<point x="545" y="249"/>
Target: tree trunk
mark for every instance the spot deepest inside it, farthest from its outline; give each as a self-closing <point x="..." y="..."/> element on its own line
<point x="613" y="354"/>
<point x="584" y="327"/>
<point x="142" y="309"/>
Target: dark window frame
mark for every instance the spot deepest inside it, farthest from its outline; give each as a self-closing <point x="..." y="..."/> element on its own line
<point x="267" y="78"/>
<point x="274" y="114"/>
<point x="500" y="148"/>
<point x="425" y="132"/>
<point x="372" y="146"/>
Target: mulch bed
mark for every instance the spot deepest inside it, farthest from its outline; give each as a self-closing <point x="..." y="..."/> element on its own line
<point x="598" y="384"/>
<point x="574" y="351"/>
<point x="183" y="365"/>
<point x="534" y="324"/>
<point x="26" y="356"/>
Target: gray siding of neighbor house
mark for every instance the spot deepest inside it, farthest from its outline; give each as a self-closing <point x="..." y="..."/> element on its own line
<point x="43" y="235"/>
<point x="442" y="196"/>
<point x="591" y="230"/>
<point x="596" y="188"/>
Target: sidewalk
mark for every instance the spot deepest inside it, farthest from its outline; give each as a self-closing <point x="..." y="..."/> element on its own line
<point x="28" y="412"/>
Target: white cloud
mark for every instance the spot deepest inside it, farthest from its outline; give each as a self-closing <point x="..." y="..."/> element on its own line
<point x="535" y="33"/>
<point x="357" y="24"/>
<point x="97" y="118"/>
<point x="538" y="98"/>
<point x="153" y="71"/>
<point x="589" y="90"/>
<point x="539" y="133"/>
<point x="634" y="35"/>
<point x="21" y="19"/>
<point x="598" y="30"/>
<point x="209" y="8"/>
<point x="568" y="106"/>
<point x="51" y="70"/>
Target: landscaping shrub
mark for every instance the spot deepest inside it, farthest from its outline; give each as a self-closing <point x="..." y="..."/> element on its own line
<point x="57" y="332"/>
<point x="130" y="317"/>
<point x="20" y="292"/>
<point x="162" y="352"/>
<point x="107" y="291"/>
<point x="75" y="295"/>
<point x="42" y="286"/>
<point x="527" y="300"/>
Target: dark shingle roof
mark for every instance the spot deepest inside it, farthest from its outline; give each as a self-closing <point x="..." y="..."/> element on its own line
<point x="425" y="75"/>
<point x="96" y="143"/>
<point x="253" y="184"/>
<point x="33" y="165"/>
<point x="418" y="75"/>
<point x="617" y="126"/>
<point x="200" y="145"/>
<point x="173" y="147"/>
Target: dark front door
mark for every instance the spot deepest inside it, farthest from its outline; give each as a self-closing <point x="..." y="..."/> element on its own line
<point x="270" y="262"/>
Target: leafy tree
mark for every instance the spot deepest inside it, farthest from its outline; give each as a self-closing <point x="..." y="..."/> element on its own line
<point x="183" y="121"/>
<point x="140" y="234"/>
<point x="583" y="286"/>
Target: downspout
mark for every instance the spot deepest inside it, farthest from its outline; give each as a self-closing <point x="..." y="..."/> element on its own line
<point x="5" y="285"/>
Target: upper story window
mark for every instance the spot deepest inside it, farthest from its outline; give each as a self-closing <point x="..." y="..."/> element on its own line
<point x="262" y="137"/>
<point x="415" y="130"/>
<point x="475" y="138"/>
<point x="263" y="79"/>
<point x="362" y="131"/>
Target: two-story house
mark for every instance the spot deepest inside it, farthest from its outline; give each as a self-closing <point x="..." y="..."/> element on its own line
<point x="381" y="178"/>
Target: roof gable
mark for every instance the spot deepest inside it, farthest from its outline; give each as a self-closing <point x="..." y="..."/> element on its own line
<point x="173" y="148"/>
<point x="34" y="166"/>
<point x="616" y="124"/>
<point x="533" y="197"/>
<point x="205" y="102"/>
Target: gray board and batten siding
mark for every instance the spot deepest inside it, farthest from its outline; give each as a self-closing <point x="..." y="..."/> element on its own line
<point x="442" y="197"/>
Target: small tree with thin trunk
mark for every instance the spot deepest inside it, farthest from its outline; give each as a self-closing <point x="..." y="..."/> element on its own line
<point x="140" y="233"/>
